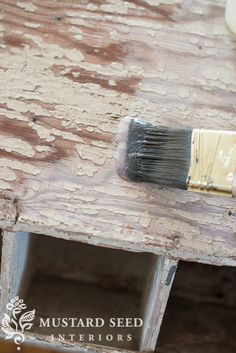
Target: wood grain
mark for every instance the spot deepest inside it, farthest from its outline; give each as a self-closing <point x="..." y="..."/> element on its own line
<point x="69" y="72"/>
<point x="159" y="286"/>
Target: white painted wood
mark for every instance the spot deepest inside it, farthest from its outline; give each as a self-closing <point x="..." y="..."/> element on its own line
<point x="15" y="269"/>
<point x="68" y="78"/>
<point x="158" y="289"/>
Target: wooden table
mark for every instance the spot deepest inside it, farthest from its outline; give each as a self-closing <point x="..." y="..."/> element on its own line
<point x="70" y="70"/>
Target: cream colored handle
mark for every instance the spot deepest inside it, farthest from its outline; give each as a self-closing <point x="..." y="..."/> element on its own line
<point x="234" y="186"/>
<point x="230" y="14"/>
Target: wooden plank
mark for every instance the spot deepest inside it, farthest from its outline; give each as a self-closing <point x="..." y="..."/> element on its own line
<point x="15" y="274"/>
<point x="159" y="285"/>
<point x="8" y="212"/>
<point x="69" y="72"/>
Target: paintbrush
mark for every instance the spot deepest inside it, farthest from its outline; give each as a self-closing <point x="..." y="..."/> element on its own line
<point x="193" y="159"/>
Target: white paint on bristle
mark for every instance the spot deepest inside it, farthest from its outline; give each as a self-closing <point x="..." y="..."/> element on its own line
<point x="230" y="14"/>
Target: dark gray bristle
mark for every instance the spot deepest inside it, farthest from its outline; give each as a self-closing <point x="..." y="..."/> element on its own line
<point x="158" y="154"/>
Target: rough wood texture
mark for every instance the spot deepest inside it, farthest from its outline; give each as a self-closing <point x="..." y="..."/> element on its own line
<point x="15" y="273"/>
<point x="69" y="71"/>
<point x="8" y="212"/>
<point x="159" y="286"/>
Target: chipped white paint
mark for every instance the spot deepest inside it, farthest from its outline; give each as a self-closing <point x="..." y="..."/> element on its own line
<point x="99" y="144"/>
<point x="21" y="166"/>
<point x="32" y="25"/>
<point x="149" y="87"/>
<point x="140" y="23"/>
<point x="26" y="6"/>
<point x="43" y="133"/>
<point x="112" y="83"/>
<point x="95" y="154"/>
<point x="43" y="149"/>
<point x="223" y="74"/>
<point x="16" y="145"/>
<point x="59" y="101"/>
<point x="86" y="169"/>
<point x="117" y="66"/>
<point x="7" y="174"/>
<point x="4" y="185"/>
<point x="74" y="55"/>
<point x="119" y="7"/>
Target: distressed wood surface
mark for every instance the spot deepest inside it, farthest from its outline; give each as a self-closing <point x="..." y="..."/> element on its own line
<point x="15" y="272"/>
<point x="159" y="286"/>
<point x="70" y="70"/>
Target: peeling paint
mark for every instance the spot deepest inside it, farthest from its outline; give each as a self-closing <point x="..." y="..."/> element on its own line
<point x="93" y="154"/>
<point x="149" y="66"/>
<point x="21" y="166"/>
<point x="26" y="6"/>
<point x="4" y="185"/>
<point x="86" y="170"/>
<point x="32" y="25"/>
<point x="16" y="145"/>
<point x="7" y="174"/>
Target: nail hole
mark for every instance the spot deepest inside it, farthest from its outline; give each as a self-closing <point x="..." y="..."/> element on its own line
<point x="57" y="18"/>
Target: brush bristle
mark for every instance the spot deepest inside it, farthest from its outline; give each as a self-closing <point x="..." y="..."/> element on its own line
<point x="157" y="154"/>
